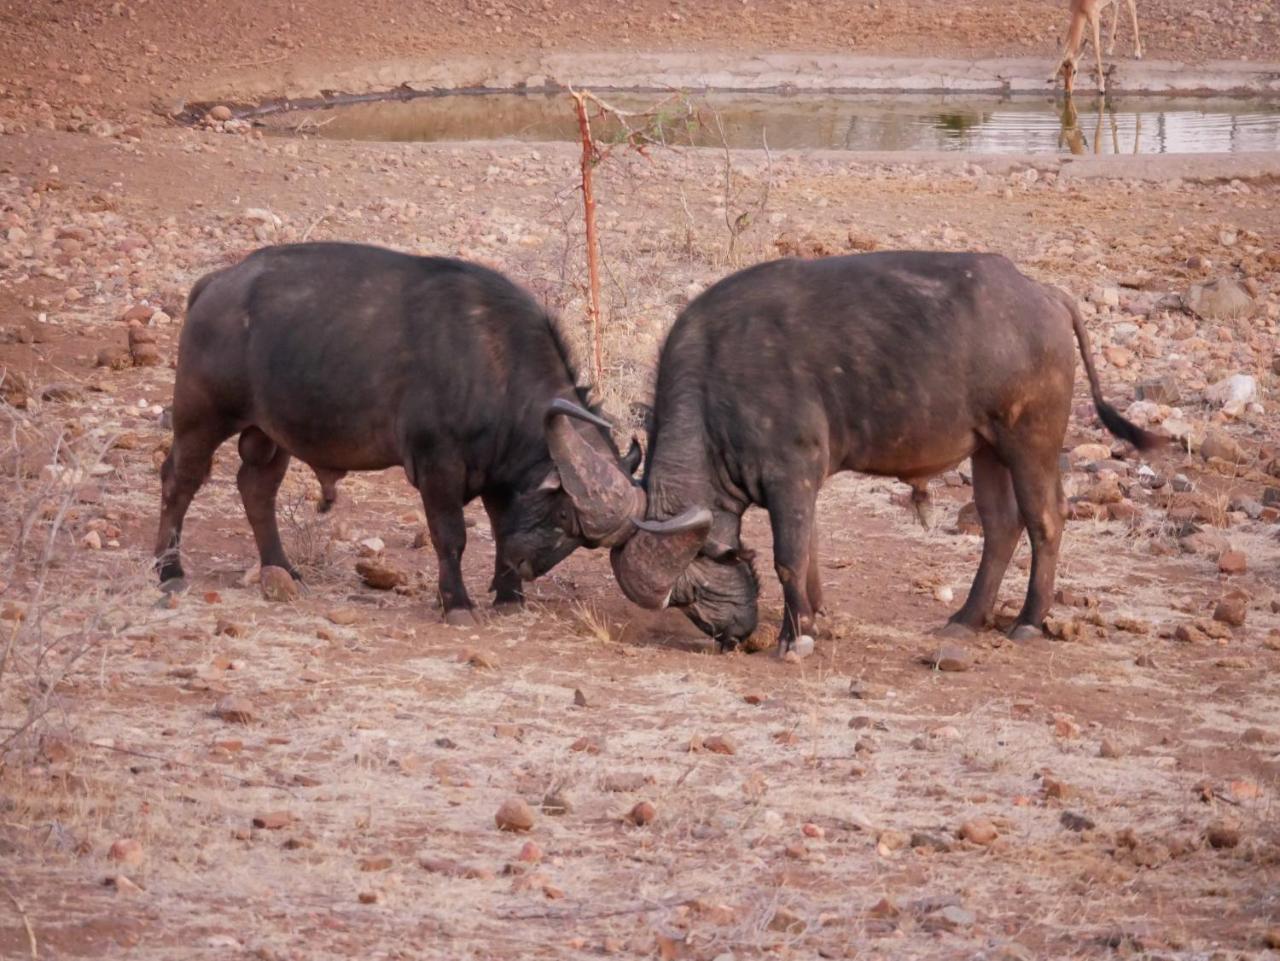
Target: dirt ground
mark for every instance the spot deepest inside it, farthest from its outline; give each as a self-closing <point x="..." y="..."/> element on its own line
<point x="1110" y="791"/>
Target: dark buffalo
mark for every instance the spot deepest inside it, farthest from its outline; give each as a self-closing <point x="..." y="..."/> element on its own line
<point x="898" y="364"/>
<point x="357" y="358"/>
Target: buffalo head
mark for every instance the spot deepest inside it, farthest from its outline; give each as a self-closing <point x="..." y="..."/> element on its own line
<point x="544" y="524"/>
<point x="657" y="563"/>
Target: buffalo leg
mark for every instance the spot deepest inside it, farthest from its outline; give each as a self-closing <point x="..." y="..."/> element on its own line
<point x="328" y="488"/>
<point x="1042" y="505"/>
<point x="791" y="517"/>
<point x="813" y="583"/>
<point x="993" y="493"/>
<point x="262" y="469"/>
<point x="185" y="468"/>
<point x="443" y="504"/>
<point x="508" y="596"/>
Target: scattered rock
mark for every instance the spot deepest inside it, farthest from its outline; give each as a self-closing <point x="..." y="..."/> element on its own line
<point x="1220" y="444"/>
<point x="587" y="745"/>
<point x="968" y="521"/>
<point x="376" y="864"/>
<point x="278" y="584"/>
<point x="979" y="831"/>
<point x="1109" y="749"/>
<point x="1075" y="822"/>
<point x="514" y="815"/>
<point x="1232" y="562"/>
<point x="344" y="616"/>
<point x="1224" y="833"/>
<point x="624" y="782"/>
<point x="380" y="575"/>
<point x="1058" y="790"/>
<point x="1233" y="393"/>
<point x="1232" y="608"/>
<point x="1221" y="299"/>
<point x="530" y="853"/>
<point x="220" y="114"/>
<point x="127" y="851"/>
<point x="235" y="709"/>
<point x="273" y="820"/>
<point x="579" y="698"/>
<point x="1162" y="390"/>
<point x="719" y="744"/>
<point x="950" y="657"/>
<point x="642" y="814"/>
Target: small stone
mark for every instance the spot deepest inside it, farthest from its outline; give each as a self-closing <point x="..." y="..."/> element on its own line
<point x="1222" y="834"/>
<point x="1109" y="749"/>
<point x="719" y="744"/>
<point x="1163" y="390"/>
<point x="587" y="745"/>
<point x="480" y="660"/>
<point x="114" y="358"/>
<point x="221" y="113"/>
<point x="979" y="831"/>
<point x="1232" y="562"/>
<point x="1271" y="939"/>
<point x="92" y="541"/>
<point x="891" y="840"/>
<point x="951" y="657"/>
<point x="1058" y="790"/>
<point x="642" y="814"/>
<point x="968" y="521"/>
<point x="234" y="709"/>
<point x="1219" y="299"/>
<point x="1232" y="608"/>
<point x="579" y="698"/>
<point x="624" y="782"/>
<point x="344" y="616"/>
<point x="813" y="831"/>
<point x="372" y="547"/>
<point x="368" y="897"/>
<point x="1220" y="444"/>
<point x="530" y="853"/>
<point x="1075" y="822"/>
<point x="278" y="584"/>
<point x="787" y="921"/>
<point x="273" y="820"/>
<point x="228" y="628"/>
<point x="146" y="355"/>
<point x="930" y="842"/>
<point x="375" y="864"/>
<point x="514" y="815"/>
<point x="127" y="851"/>
<point x="380" y="575"/>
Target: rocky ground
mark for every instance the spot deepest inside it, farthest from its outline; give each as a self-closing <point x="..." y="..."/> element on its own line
<point x="221" y="776"/>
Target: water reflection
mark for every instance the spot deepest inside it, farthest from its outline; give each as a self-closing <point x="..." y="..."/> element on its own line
<point x="848" y="122"/>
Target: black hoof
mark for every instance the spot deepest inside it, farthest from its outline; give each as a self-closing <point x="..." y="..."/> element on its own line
<point x="508" y="607"/>
<point x="955" y="631"/>
<point x="173" y="584"/>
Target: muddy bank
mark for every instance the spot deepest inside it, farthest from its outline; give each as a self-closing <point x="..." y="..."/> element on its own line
<point x="816" y="72"/>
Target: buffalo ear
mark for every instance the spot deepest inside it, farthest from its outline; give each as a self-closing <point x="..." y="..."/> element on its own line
<point x="653" y="558"/>
<point x="631" y="462"/>
<point x="603" y="496"/>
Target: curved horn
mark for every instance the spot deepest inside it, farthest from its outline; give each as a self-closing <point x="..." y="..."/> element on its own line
<point x="635" y="456"/>
<point x="570" y="409"/>
<point x="647" y="565"/>
<point x="603" y="496"/>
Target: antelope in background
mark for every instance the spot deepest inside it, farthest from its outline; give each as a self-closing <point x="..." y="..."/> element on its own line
<point x="1090" y="12"/>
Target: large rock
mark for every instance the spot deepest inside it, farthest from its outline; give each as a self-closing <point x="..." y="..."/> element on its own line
<point x="1220" y="299"/>
<point x="1233" y="393"/>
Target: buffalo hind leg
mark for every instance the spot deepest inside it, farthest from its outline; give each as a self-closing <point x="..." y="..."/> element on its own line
<point x="263" y="464"/>
<point x="993" y="493"/>
<point x="1043" y="509"/>
<point x="443" y="503"/>
<point x="813" y="582"/>
<point x="508" y="594"/>
<point x="791" y="517"/>
<point x="185" y="468"/>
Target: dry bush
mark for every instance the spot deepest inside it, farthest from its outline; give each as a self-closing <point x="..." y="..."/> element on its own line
<point x="47" y="633"/>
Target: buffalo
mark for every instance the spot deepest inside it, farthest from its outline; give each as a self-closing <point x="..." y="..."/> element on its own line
<point x="898" y="364"/>
<point x="352" y="358"/>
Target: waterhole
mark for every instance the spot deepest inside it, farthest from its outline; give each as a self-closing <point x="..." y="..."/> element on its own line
<point x="835" y="121"/>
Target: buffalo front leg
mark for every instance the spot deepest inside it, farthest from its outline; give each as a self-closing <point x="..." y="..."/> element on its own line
<point x="443" y="504"/>
<point x="508" y="595"/>
<point x="791" y="517"/>
<point x="993" y="493"/>
<point x="184" y="470"/>
<point x="262" y="469"/>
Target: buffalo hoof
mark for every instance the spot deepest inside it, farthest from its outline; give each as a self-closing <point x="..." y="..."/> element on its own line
<point x="956" y="631"/>
<point x="507" y="608"/>
<point x="460" y="617"/>
<point x="1025" y="632"/>
<point x="797" y="649"/>
<point x="174" y="585"/>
